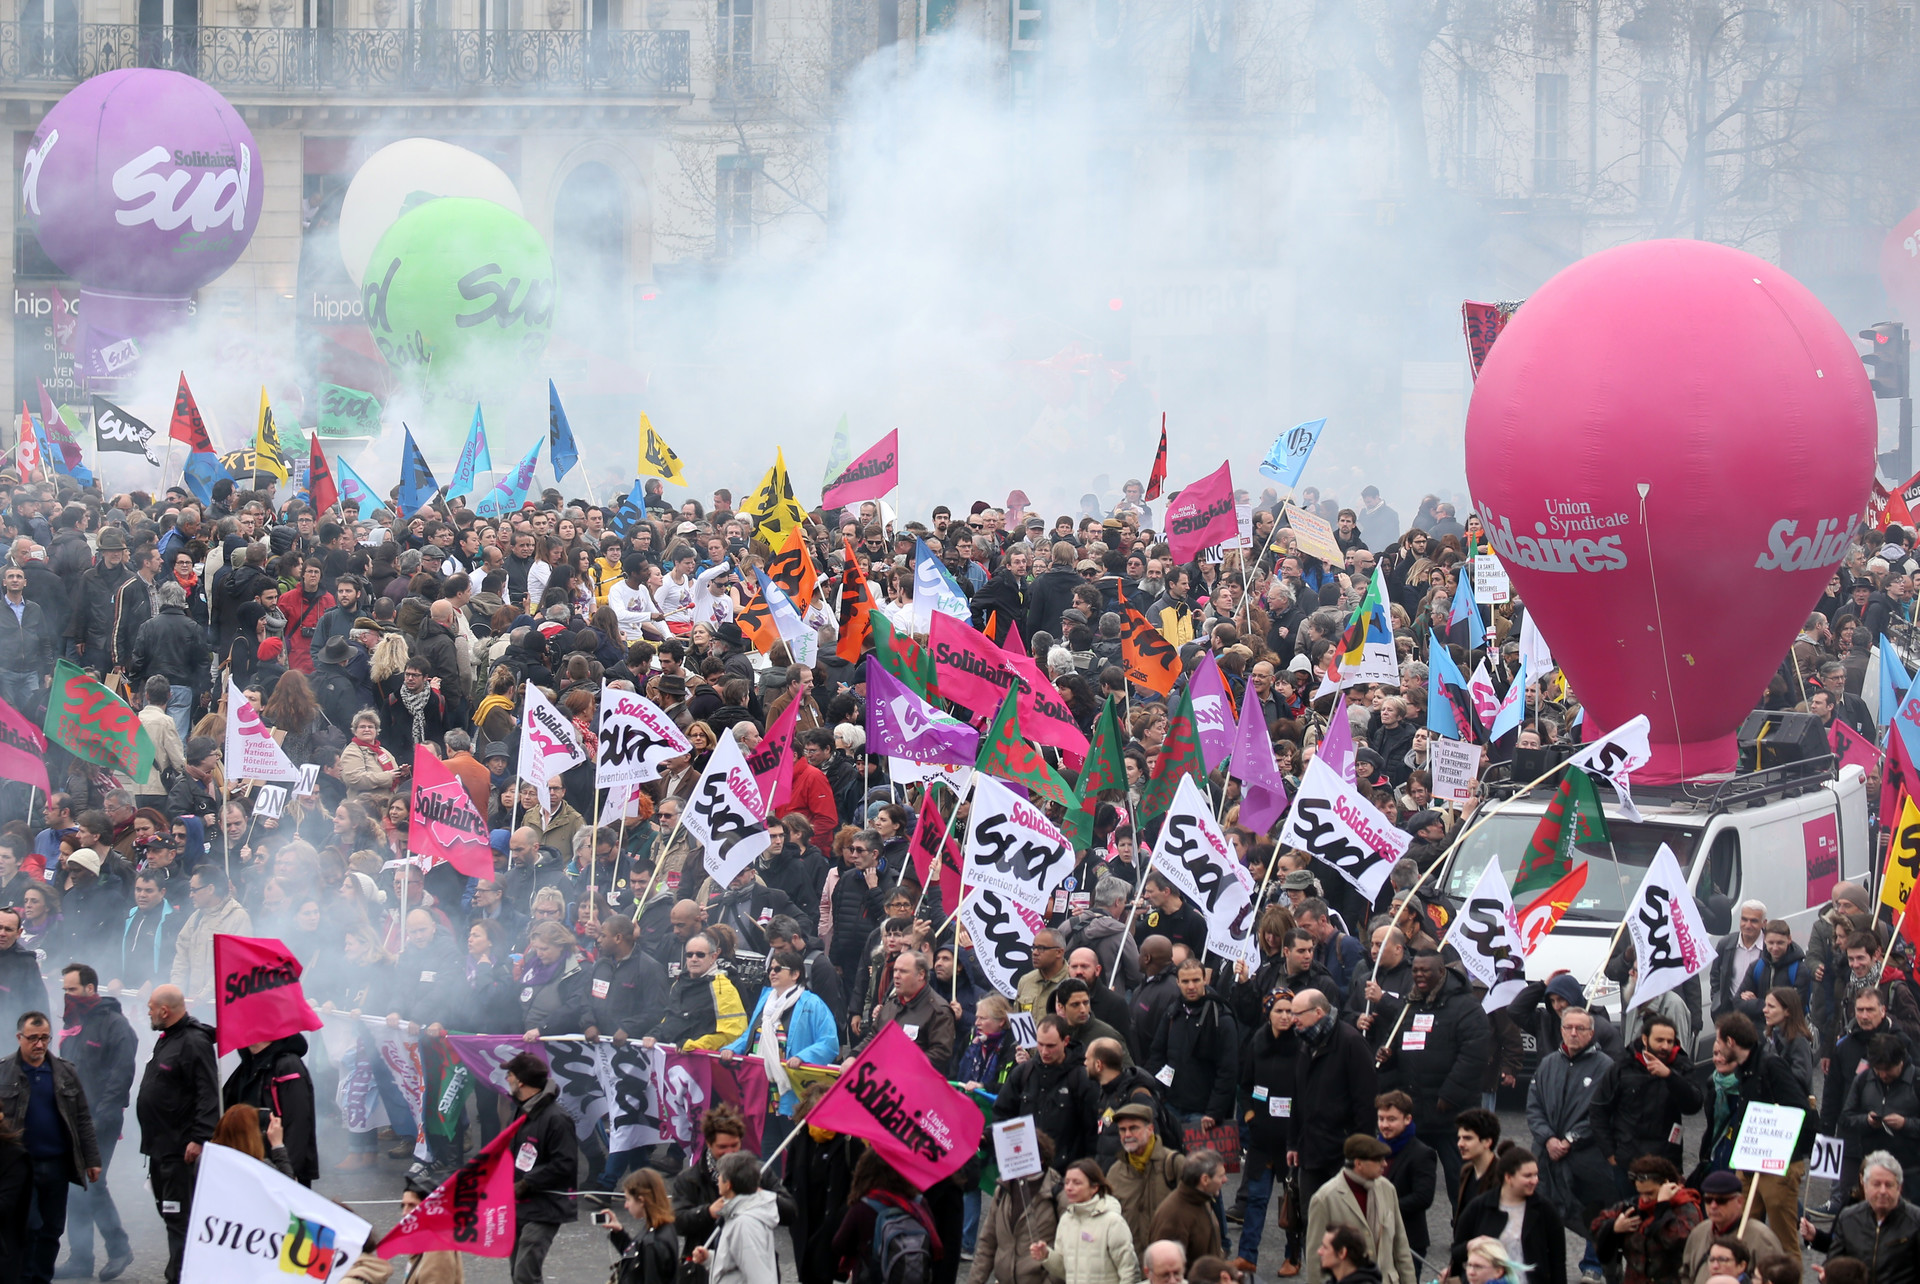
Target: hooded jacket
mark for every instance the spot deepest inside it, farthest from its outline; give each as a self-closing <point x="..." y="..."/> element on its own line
<point x="746" y="1251"/>
<point x="100" y="1043"/>
<point x="1533" y="1006"/>
<point x="1793" y="971"/>
<point x="22" y="988"/>
<point x="275" y="1078"/>
<point x="173" y="647"/>
<point x="1022" y="1212"/>
<point x="1634" y="1113"/>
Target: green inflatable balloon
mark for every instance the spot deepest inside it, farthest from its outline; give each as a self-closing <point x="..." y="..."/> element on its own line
<point x="460" y="290"/>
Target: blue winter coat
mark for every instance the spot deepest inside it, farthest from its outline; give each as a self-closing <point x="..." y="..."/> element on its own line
<point x="812" y="1036"/>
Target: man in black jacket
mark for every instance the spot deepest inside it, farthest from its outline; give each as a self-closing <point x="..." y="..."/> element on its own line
<point x="273" y="1076"/>
<point x="96" y="1038"/>
<point x="1159" y="989"/>
<point x="134" y="605"/>
<point x="173" y="647"/>
<point x="178" y="1109"/>
<point x="43" y="1093"/>
<point x="1440" y="1055"/>
<point x="1054" y="1089"/>
<point x="1760" y="1077"/>
<point x="546" y="1166"/>
<point x="1414" y="1169"/>
<point x="1335" y="1092"/>
<point x="696" y="1188"/>
<point x="22" y="988"/>
<point x="91" y="628"/>
<point x="1196" y="1051"/>
<point x="27" y="646"/>
<point x="1051" y="593"/>
<point x="1642" y="1097"/>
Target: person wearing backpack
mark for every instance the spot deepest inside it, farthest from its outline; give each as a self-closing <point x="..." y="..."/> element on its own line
<point x="745" y="1253"/>
<point x="1093" y="1244"/>
<point x="887" y="1235"/>
<point x="1023" y="1210"/>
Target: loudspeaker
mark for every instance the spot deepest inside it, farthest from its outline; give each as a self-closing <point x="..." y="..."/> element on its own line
<point x="1530" y="764"/>
<point x="1774" y="737"/>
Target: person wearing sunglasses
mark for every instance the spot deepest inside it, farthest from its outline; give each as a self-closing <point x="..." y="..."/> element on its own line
<point x="703" y="1009"/>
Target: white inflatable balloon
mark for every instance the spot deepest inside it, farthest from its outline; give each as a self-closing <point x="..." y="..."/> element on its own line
<point x="401" y="175"/>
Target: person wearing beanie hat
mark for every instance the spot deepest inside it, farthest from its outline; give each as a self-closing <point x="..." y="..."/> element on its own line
<point x="1359" y="1196"/>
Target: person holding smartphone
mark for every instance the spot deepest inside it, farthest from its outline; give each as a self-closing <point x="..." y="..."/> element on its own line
<point x="650" y="1254"/>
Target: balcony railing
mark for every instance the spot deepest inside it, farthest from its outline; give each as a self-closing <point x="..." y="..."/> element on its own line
<point x="369" y="60"/>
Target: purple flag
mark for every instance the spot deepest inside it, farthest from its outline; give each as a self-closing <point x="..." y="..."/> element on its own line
<point x="1212" y="712"/>
<point x="1263" y="790"/>
<point x="486" y="1055"/>
<point x="1336" y="746"/>
<point x="902" y="725"/>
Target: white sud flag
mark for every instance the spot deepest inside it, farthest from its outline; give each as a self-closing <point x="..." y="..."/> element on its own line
<point x="547" y="744"/>
<point x="1002" y="931"/>
<point x="727" y="814"/>
<point x="1195" y="857"/>
<point x="635" y="737"/>
<point x="252" y="752"/>
<point x="1487" y="934"/>
<point x="1012" y="848"/>
<point x="1617" y="755"/>
<point x="1331" y="821"/>
<point x="1670" y="943"/>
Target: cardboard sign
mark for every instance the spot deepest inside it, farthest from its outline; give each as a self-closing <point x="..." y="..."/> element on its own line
<point x="270" y="801"/>
<point x="1016" y="1148"/>
<point x="1456" y="765"/>
<point x="1490" y="583"/>
<point x="1825" y="1161"/>
<point x="1223" y="1139"/>
<point x="1767" y="1137"/>
<point x="1025" y="1035"/>
<point x="1314" y="536"/>
<point x="1243" y="514"/>
<point x="309" y="780"/>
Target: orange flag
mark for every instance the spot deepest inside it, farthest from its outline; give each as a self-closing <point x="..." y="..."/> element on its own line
<point x="1151" y="660"/>
<point x="856" y="609"/>
<point x="793" y="570"/>
<point x="755" y="617"/>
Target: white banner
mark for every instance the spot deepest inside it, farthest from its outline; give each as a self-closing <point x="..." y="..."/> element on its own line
<point x="1002" y="931"/>
<point x="547" y="744"/>
<point x="253" y="1226"/>
<point x="1617" y="755"/>
<point x="1490" y="583"/>
<point x="635" y="738"/>
<point x="1012" y="848"/>
<point x="252" y="752"/>
<point x="1195" y="857"/>
<point x="1768" y="1134"/>
<point x="1669" y="940"/>
<point x="603" y="1081"/>
<point x="1456" y="765"/>
<point x="934" y="591"/>
<point x="726" y="813"/>
<point x="1486" y="932"/>
<point x="1333" y="823"/>
<point x="1534" y="649"/>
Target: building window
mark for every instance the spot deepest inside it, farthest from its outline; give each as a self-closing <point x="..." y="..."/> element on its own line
<point x="734" y="38"/>
<point x="1860" y="33"/>
<point x="733" y="206"/>
<point x="1656" y="174"/>
<point x="1554" y="23"/>
<point x="1549" y="133"/>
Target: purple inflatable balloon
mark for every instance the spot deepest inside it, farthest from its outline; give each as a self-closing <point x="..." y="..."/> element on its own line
<point x="143" y="181"/>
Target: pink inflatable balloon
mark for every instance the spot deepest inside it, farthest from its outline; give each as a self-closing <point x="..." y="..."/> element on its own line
<point x="1668" y="447"/>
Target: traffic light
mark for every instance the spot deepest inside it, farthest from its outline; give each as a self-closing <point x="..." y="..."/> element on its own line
<point x="1887" y="360"/>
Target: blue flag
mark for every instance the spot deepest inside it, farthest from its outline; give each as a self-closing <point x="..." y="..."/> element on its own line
<point x="563" y="454"/>
<point x="1465" y="608"/>
<point x="1287" y="457"/>
<point x="354" y="488"/>
<point x="202" y="469"/>
<point x="1443" y="678"/>
<point x="52" y="454"/>
<point x="511" y="490"/>
<point x="630" y="511"/>
<point x="473" y="459"/>
<point x="1513" y="708"/>
<point x="417" y="486"/>
<point x="1894" y="681"/>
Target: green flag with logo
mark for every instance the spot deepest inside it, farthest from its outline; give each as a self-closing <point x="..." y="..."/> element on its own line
<point x="92" y="723"/>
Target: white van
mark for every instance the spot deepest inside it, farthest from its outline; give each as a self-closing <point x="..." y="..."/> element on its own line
<point x="1768" y="835"/>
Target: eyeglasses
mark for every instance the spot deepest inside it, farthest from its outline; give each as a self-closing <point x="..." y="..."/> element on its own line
<point x="697" y="954"/>
<point x="36" y="1038"/>
<point x="1709" y="1200"/>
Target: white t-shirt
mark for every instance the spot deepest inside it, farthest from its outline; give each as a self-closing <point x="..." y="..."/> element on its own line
<point x="1510" y="1236"/>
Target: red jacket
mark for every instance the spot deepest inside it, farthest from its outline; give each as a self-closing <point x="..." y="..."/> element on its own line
<point x="812" y="796"/>
<point x="294" y="605"/>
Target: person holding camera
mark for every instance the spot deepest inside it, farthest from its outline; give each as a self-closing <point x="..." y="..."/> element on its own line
<point x="651" y="1254"/>
<point x="273" y="1078"/>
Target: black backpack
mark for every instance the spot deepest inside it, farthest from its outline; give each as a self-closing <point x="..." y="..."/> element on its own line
<point x="901" y="1253"/>
<point x="336" y="694"/>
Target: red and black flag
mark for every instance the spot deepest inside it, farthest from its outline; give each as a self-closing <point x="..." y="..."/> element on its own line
<point x="187" y="425"/>
<point x="1159" y="474"/>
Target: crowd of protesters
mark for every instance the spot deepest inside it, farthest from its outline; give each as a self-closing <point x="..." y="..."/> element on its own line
<point x="360" y="639"/>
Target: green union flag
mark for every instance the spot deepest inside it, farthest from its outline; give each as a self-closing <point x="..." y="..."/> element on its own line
<point x="94" y="724"/>
<point x="1179" y="756"/>
<point x="1005" y="753"/>
<point x="1104" y="769"/>
<point x="901" y="656"/>
<point x="1573" y="817"/>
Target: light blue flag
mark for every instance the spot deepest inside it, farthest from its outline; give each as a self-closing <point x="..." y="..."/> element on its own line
<point x="1465" y="608"/>
<point x="1287" y="458"/>
<point x="511" y="490"/>
<point x="934" y="592"/>
<point x="354" y="488"/>
<point x="1895" y="681"/>
<point x="417" y="486"/>
<point x="564" y="454"/>
<point x="1513" y="708"/>
<point x="202" y="469"/>
<point x="1442" y="673"/>
<point x="473" y="459"/>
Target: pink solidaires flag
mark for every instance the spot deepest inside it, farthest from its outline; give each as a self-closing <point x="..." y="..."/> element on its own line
<point x="1849" y="746"/>
<point x="697" y="1081"/>
<point x="1263" y="790"/>
<point x="470" y="1212"/>
<point x="893" y="1098"/>
<point x="1336" y="746"/>
<point x="1202" y="515"/>
<point x="258" y="998"/>
<point x="1212" y="712"/>
<point x="1045" y="718"/>
<point x="928" y="831"/>
<point x="444" y="825"/>
<point x="868" y="477"/>
<point x="23" y="749"/>
<point x="968" y="668"/>
<point x="772" y="759"/>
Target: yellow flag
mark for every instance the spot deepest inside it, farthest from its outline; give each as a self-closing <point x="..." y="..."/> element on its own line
<point x="656" y="456"/>
<point x="1903" y="858"/>
<point x="772" y="503"/>
<point x="266" y="442"/>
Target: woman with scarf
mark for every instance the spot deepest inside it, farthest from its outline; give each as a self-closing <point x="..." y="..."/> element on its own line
<point x="42" y="928"/>
<point x="180" y="566"/>
<point x="791" y="1026"/>
<point x="983" y="1067"/>
<point x="365" y="765"/>
<point x="1647" y="1234"/>
<point x="1787" y="1034"/>
<point x="553" y="987"/>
